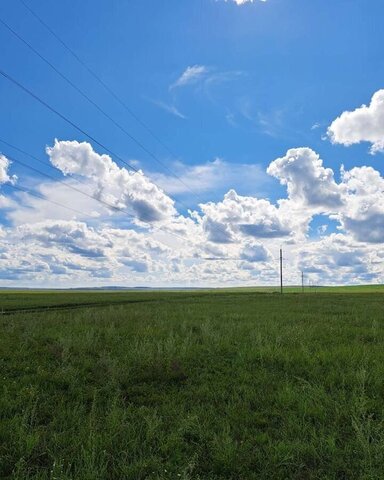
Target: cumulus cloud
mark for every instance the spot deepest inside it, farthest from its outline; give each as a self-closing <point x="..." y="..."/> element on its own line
<point x="307" y="181"/>
<point x="74" y="251"/>
<point x="356" y="202"/>
<point x="339" y="259"/>
<point x="254" y="252"/>
<point x="365" y="124"/>
<point x="253" y="217"/>
<point x="75" y="237"/>
<point x="4" y="166"/>
<point x="231" y="241"/>
<point x="112" y="184"/>
<point x="363" y="215"/>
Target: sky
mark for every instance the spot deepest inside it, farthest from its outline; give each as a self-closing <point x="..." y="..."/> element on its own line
<point x="183" y="143"/>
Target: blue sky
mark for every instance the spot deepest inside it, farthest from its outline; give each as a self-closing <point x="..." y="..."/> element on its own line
<point x="228" y="88"/>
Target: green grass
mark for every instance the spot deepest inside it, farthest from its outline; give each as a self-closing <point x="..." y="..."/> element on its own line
<point x="192" y="385"/>
<point x="30" y="299"/>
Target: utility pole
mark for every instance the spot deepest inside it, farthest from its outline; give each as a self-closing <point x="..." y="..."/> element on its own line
<point x="281" y="270"/>
<point x="302" y="282"/>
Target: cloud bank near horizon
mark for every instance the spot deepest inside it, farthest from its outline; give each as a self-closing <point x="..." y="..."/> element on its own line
<point x="148" y="241"/>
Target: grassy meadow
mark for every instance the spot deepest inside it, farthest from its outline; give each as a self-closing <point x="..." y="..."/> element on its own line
<point x="232" y="384"/>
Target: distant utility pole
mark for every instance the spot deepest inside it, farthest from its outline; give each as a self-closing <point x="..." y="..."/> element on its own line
<point x="302" y="282"/>
<point x="281" y="270"/>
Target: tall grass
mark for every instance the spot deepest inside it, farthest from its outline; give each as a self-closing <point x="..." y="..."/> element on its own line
<point x="211" y="386"/>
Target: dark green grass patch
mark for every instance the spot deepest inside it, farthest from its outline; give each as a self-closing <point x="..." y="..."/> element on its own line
<point x="204" y="386"/>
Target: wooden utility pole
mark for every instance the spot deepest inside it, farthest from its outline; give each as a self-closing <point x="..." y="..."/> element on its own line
<point x="302" y="282"/>
<point x="281" y="270"/>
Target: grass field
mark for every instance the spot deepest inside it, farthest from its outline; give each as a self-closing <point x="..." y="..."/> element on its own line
<point x="192" y="385"/>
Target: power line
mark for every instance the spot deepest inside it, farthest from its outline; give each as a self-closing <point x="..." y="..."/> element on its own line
<point x="51" y="177"/>
<point x="95" y="104"/>
<point x="98" y="78"/>
<point x="25" y="89"/>
<point x="111" y="92"/>
<point x="63" y="117"/>
<point x="14" y="147"/>
<point x="83" y="214"/>
<point x="101" y="201"/>
<point x="70" y="122"/>
<point x="42" y="197"/>
<point x="58" y="204"/>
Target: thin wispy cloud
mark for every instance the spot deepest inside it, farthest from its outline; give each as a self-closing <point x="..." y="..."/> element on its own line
<point x="217" y="175"/>
<point x="210" y="82"/>
<point x="169" y="108"/>
<point x="231" y="119"/>
<point x="243" y="2"/>
<point x="190" y="76"/>
<point x="271" y="123"/>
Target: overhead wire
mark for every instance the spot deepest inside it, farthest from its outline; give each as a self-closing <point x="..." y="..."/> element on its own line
<point x="72" y="187"/>
<point x="98" y="78"/>
<point x="92" y="101"/>
<point x="83" y="214"/>
<point x="99" y="200"/>
<point x="73" y="124"/>
<point x="40" y="196"/>
<point x="95" y="104"/>
<point x="65" y="118"/>
<point x="33" y="157"/>
<point x="93" y="197"/>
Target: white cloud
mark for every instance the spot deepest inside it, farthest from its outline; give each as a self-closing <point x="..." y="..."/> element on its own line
<point x="215" y="175"/>
<point x="307" y="181"/>
<point x="254" y="252"/>
<point x="232" y="241"/>
<point x="363" y="215"/>
<point x="190" y="75"/>
<point x="208" y="76"/>
<point x="6" y="202"/>
<point x="338" y="259"/>
<point x="4" y="166"/>
<point x="75" y="251"/>
<point x="112" y="184"/>
<point x="169" y="108"/>
<point x="72" y="236"/>
<point x="321" y="230"/>
<point x="243" y="2"/>
<point x="54" y="203"/>
<point x="365" y="124"/>
<point x="237" y="215"/>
